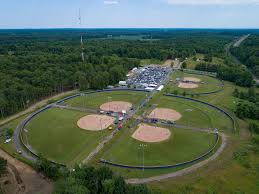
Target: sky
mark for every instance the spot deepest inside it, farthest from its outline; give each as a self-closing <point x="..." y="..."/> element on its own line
<point x="129" y="13"/>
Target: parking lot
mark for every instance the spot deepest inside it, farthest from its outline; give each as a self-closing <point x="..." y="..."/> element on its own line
<point x="150" y="75"/>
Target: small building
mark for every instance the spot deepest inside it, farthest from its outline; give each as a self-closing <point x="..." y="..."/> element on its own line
<point x="110" y="87"/>
<point x="123" y="83"/>
<point x="149" y="89"/>
<point x="160" y="88"/>
<point x="152" y="85"/>
<point x="134" y="69"/>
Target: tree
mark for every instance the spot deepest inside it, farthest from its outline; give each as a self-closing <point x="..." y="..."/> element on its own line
<point x="70" y="186"/>
<point x="236" y="93"/>
<point x="3" y="104"/>
<point x="184" y="65"/>
<point x="48" y="168"/>
<point x="3" y="164"/>
<point x="119" y="186"/>
<point x="108" y="186"/>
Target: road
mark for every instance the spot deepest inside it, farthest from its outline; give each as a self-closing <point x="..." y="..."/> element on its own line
<point x="237" y="44"/>
<point x="239" y="41"/>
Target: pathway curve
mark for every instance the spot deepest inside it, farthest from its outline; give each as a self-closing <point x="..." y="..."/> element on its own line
<point x="184" y="171"/>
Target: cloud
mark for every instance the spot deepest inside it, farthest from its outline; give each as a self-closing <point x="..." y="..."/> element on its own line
<point x="110" y="2"/>
<point x="213" y="2"/>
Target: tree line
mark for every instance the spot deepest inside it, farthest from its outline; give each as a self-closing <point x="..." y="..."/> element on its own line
<point x="38" y="63"/>
<point x="248" y="106"/>
<point x="87" y="180"/>
<point x="248" y="53"/>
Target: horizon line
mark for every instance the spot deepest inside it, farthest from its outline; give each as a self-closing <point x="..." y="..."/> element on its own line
<point x="103" y="28"/>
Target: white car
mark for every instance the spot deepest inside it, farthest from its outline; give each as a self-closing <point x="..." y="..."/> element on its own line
<point x="8" y="141"/>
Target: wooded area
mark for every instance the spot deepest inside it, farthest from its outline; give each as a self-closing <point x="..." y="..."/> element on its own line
<point x="38" y="63"/>
<point x="248" y="53"/>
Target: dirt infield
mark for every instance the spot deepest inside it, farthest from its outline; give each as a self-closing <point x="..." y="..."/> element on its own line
<point x="151" y="134"/>
<point x="165" y="114"/>
<point x="187" y="85"/>
<point x="95" y="122"/>
<point x="116" y="106"/>
<point x="191" y="79"/>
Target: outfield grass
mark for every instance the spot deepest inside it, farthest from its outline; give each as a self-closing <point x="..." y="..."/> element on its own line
<point x="210" y="84"/>
<point x="55" y="134"/>
<point x="192" y="115"/>
<point x="183" y="145"/>
<point x="235" y="176"/>
<point x="95" y="100"/>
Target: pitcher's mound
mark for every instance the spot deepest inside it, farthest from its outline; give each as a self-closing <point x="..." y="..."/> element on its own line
<point x="95" y="122"/>
<point x="187" y="85"/>
<point x="151" y="134"/>
<point x="165" y="114"/>
<point x="116" y="106"/>
<point x="191" y="79"/>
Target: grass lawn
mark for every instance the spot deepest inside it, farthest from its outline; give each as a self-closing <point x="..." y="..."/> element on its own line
<point x="226" y="170"/>
<point x="10" y="147"/>
<point x="55" y="134"/>
<point x="183" y="145"/>
<point x="144" y="62"/>
<point x="210" y="84"/>
<point x="191" y="63"/>
<point x="97" y="99"/>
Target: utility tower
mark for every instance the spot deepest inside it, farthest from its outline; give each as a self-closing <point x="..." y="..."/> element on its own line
<point x="82" y="42"/>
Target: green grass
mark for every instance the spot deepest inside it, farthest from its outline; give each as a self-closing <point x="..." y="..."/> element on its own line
<point x="201" y="116"/>
<point x="10" y="147"/>
<point x="191" y="63"/>
<point x="175" y="150"/>
<point x="192" y="115"/>
<point x="224" y="175"/>
<point x="210" y="84"/>
<point x="55" y="134"/>
<point x="95" y="100"/>
<point x="150" y="61"/>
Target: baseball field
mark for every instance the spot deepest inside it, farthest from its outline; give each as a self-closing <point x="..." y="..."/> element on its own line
<point x="193" y="83"/>
<point x="182" y="145"/>
<point x="182" y="130"/>
<point x="95" y="100"/>
<point x="68" y="136"/>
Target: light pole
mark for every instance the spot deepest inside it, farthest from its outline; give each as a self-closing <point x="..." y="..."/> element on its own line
<point x="143" y="155"/>
<point x="109" y="100"/>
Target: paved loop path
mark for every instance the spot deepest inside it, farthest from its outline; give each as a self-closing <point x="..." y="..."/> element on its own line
<point x="185" y="170"/>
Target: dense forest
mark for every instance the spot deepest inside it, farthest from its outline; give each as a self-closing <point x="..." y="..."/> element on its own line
<point x="248" y="53"/>
<point x="39" y="63"/>
<point x="86" y="179"/>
